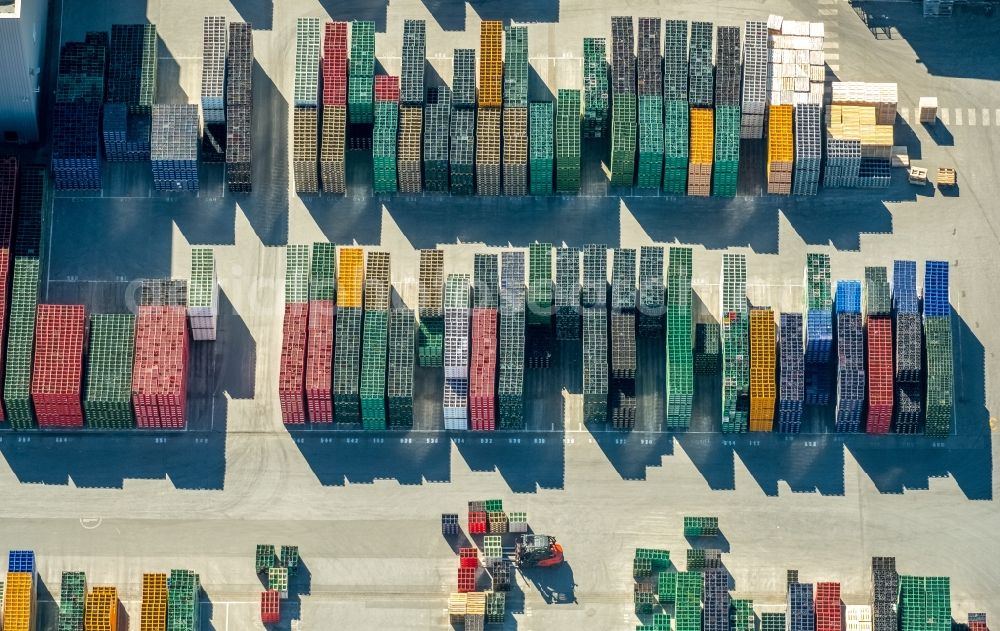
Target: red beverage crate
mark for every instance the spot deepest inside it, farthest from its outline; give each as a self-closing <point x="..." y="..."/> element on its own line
<point x="4" y="307"/>
<point x="466" y="579"/>
<point x="482" y="370"/>
<point x="468" y="557"/>
<point x="335" y="64"/>
<point x="291" y="375"/>
<point x="8" y="185"/>
<point x="977" y="621"/>
<point x="880" y="379"/>
<point x="477" y="523"/>
<point x="386" y="88"/>
<point x="319" y="361"/>
<point x="828" y="616"/>
<point x="159" y="373"/>
<point x="58" y="366"/>
<point x="270" y="607"/>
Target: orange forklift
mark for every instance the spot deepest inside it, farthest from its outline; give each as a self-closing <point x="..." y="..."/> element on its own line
<point x="537" y="551"/>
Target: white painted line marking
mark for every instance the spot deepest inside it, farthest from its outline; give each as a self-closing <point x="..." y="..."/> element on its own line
<point x="832" y="56"/>
<point x="829" y="44"/>
<point x="972" y="117"/>
<point x="834" y="67"/>
<point x="986" y="117"/>
<point x="828" y="12"/>
<point x="997" y="118"/>
<point x="945" y="117"/>
<point x="958" y="116"/>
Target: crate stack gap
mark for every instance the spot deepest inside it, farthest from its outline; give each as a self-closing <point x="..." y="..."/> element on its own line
<point x="538" y="319"/>
<point x="515" y="111"/>
<point x="819" y="330"/>
<point x="510" y="388"/>
<point x="676" y="117"/>
<point x="623" y="353"/>
<point x="567" y="295"/>
<point x="463" y="122"/>
<point x="305" y="110"/>
<point x="939" y="351"/>
<point x="58" y="366"/>
<point x="791" y="390"/>
<point x="411" y="108"/>
<point x="21" y="344"/>
<point x="680" y="360"/>
<point x="851" y="358"/>
<point x="319" y="338"/>
<point x="456" y="351"/>
<point x="239" y="108"/>
<point x="623" y="102"/>
<point x="735" y="360"/>
<point x="808" y="149"/>
<point x="430" y="337"/>
<point x="160" y="371"/>
<point x="908" y="348"/>
<point x="754" y="100"/>
<point x="594" y="300"/>
<point x="595" y="87"/>
<point x="489" y="105"/>
<point x="347" y="336"/>
<point x="762" y="369"/>
<point x="437" y="123"/>
<point x="384" y="134"/>
<point x="76" y="115"/>
<point x="291" y="372"/>
<point x="650" y="95"/>
<point x="333" y="140"/>
<point x="174" y="147"/>
<point x="107" y="400"/>
<point x="213" y="88"/>
<point x="131" y="92"/>
<point x="878" y="327"/>
<point x="727" y="112"/>
<point x="651" y="293"/>
<point x="568" y="141"/>
<point x="483" y="358"/>
<point x="375" y="338"/>
<point x="402" y="331"/>
<point x="361" y="80"/>
<point x="541" y="159"/>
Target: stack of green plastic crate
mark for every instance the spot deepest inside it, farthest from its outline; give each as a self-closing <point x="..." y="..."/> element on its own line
<point x="72" y="596"/>
<point x="402" y="327"/>
<point x="510" y="390"/>
<point x="650" y="141"/>
<point x="463" y="147"/>
<point x="675" y="147"/>
<point x="595" y="88"/>
<point x="661" y="622"/>
<point x="183" y="589"/>
<point x="437" y="127"/>
<point x="496" y="604"/>
<point x="323" y="272"/>
<point x="384" y="146"/>
<point x="347" y="345"/>
<point x="878" y="299"/>
<point x="735" y="344"/>
<point x="938" y="603"/>
<point x="772" y="621"/>
<point x="21" y="344"/>
<point x="687" y="602"/>
<point x="706" y="348"/>
<point x="623" y="119"/>
<point x="265" y="557"/>
<point x="568" y="142"/>
<point x="680" y="363"/>
<point x="361" y="73"/>
<point x="741" y="616"/>
<point x="701" y="526"/>
<point x="666" y="586"/>
<point x="540" y="153"/>
<point x="374" y="339"/>
<point x="290" y="558"/>
<point x="297" y="267"/>
<point x="940" y="375"/>
<point x="911" y="603"/>
<point x="515" y="67"/>
<point x="539" y="284"/>
<point x="727" y="150"/>
<point x="107" y="400"/>
<point x="430" y="335"/>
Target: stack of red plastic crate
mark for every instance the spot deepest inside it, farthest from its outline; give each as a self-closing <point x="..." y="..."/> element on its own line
<point x="8" y="185"/>
<point x="828" y="617"/>
<point x="880" y="386"/>
<point x="335" y="64"/>
<point x="159" y="374"/>
<point x="58" y="367"/>
<point x="977" y="622"/>
<point x="483" y="371"/>
<point x="291" y="376"/>
<point x="386" y="88"/>
<point x="468" y="563"/>
<point x="270" y="607"/>
<point x="319" y="361"/>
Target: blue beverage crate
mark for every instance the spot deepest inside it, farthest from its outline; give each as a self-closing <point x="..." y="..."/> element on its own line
<point x="801" y="614"/>
<point x="792" y="373"/>
<point x="904" y="286"/>
<point x="818" y="384"/>
<point x="936" y="289"/>
<point x="819" y="336"/>
<point x="848" y="299"/>
<point x="21" y="561"/>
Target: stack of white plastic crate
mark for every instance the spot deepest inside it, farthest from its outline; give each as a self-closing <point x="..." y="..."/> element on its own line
<point x="796" y="62"/>
<point x="456" y="351"/>
<point x="754" y="100"/>
<point x="203" y="297"/>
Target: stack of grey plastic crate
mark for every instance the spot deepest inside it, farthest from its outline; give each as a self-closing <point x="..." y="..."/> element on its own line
<point x="595" y="87"/>
<point x="463" y="122"/>
<point x="174" y="147"/>
<point x="131" y="92"/>
<point x="675" y="107"/>
<point x="791" y="386"/>
<point x="623" y="354"/>
<point x="305" y="124"/>
<point x="402" y="329"/>
<point x="595" y="333"/>
<point x="411" y="108"/>
<point x="437" y="120"/>
<point x="239" y="107"/>
<point x="456" y="351"/>
<point x="650" y="92"/>
<point x="163" y="292"/>
<point x="808" y="149"/>
<point x="908" y="351"/>
<point x="651" y="307"/>
<point x="430" y="339"/>
<point x="567" y="296"/>
<point x="701" y="71"/>
<point x="347" y="350"/>
<point x="76" y="116"/>
<point x="843" y="163"/>
<point x="213" y="88"/>
<point x="851" y="382"/>
<point x="511" y="365"/>
<point x="716" y="599"/>
<point x="624" y="102"/>
<point x="203" y="305"/>
<point x="754" y="101"/>
<point x="515" y="111"/>
<point x="885" y="592"/>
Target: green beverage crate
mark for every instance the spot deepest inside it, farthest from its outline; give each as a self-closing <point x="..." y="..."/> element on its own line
<point x="463" y="147"/>
<point x="568" y="141"/>
<point x="651" y="292"/>
<point x="687" y="602"/>
<point x="661" y="622"/>
<point x="541" y="156"/>
<point x="296" y="273"/>
<point x="818" y="294"/>
<point x="651" y="138"/>
<point x="666" y="587"/>
<point x="940" y="375"/>
<point x="201" y="290"/>
<point x="911" y="603"/>
<point x="695" y="560"/>
<point x="641" y="567"/>
<point x="347" y="365"/>
<point x="183" y="589"/>
<point x="437" y="127"/>
<point x="659" y="558"/>
<point x="510" y="390"/>
<point x="323" y="274"/>
<point x="430" y="342"/>
<point x="735" y="344"/>
<point x="680" y="363"/>
<point x="937" y="603"/>
<point x="362" y="59"/>
<point x="494" y="506"/>
<point x="307" y="49"/>
<point x="290" y="558"/>
<point x="492" y="547"/>
<point x="772" y="621"/>
<point x="361" y="100"/>
<point x="265" y="558"/>
<point x="373" y="367"/>
<point x="277" y="579"/>
<point x="384" y="146"/>
<point x="701" y="526"/>
<point x="402" y="328"/>
<point x="676" y="146"/>
<point x="595" y="87"/>
<point x="21" y="344"/>
<point x="515" y="67"/>
<point x="539" y="300"/>
<point x="643" y="600"/>
<point x="72" y="597"/>
<point x="741" y="616"/>
<point x="878" y="300"/>
<point x="623" y="126"/>
<point x="707" y="348"/>
<point x="107" y="400"/>
<point x="496" y="605"/>
<point x="727" y="150"/>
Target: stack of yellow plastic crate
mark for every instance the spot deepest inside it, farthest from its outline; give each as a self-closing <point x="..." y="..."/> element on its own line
<point x="702" y="148"/>
<point x="780" y="150"/>
<point x="762" y="370"/>
<point x="153" y="616"/>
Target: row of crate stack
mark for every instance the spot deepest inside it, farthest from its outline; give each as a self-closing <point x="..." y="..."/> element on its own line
<point x="134" y="371"/>
<point x="483" y="330"/>
<point x="277" y="569"/>
<point x="106" y="99"/>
